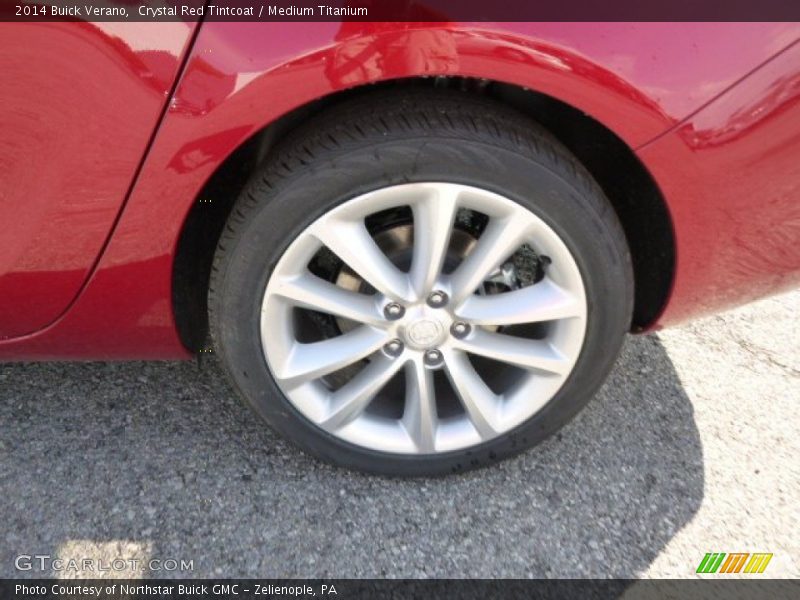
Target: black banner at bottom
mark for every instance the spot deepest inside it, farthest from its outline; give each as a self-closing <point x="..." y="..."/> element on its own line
<point x="346" y="589"/>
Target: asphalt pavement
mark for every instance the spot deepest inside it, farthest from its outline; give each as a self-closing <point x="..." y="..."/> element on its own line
<point x="691" y="447"/>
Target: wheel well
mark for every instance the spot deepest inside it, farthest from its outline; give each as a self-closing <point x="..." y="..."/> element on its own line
<point x="625" y="181"/>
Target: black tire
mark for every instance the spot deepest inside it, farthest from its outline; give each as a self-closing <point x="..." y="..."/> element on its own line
<point x="387" y="138"/>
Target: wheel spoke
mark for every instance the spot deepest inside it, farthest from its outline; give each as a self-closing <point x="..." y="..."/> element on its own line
<point x="419" y="417"/>
<point x="433" y="222"/>
<point x="480" y="403"/>
<point x="542" y="301"/>
<point x="500" y="240"/>
<point x="309" y="291"/>
<point x="311" y="361"/>
<point x="536" y="355"/>
<point x="352" y="243"/>
<point x="349" y="401"/>
<point x="394" y="332"/>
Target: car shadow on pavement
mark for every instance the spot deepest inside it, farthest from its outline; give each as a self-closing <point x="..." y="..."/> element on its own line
<point x="161" y="460"/>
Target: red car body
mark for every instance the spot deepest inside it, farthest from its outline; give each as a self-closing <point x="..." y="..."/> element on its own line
<point x="109" y="132"/>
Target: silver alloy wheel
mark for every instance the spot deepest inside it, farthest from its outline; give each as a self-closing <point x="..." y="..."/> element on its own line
<point x="443" y="325"/>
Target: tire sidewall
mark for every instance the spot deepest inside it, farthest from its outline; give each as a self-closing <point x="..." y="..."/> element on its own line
<point x="292" y="200"/>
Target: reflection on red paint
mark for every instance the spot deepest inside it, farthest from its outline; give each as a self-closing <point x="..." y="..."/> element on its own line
<point x="736" y="198"/>
<point x="79" y="103"/>
<point x="201" y="152"/>
<point x="729" y="173"/>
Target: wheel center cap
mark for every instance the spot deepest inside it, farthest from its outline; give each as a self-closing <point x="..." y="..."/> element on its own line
<point x="424" y="333"/>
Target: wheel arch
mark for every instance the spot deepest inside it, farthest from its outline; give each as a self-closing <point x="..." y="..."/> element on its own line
<point x="626" y="182"/>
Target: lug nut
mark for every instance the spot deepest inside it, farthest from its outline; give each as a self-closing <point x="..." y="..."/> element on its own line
<point x="433" y="358"/>
<point x="460" y="329"/>
<point x="437" y="299"/>
<point x="393" y="311"/>
<point x="393" y="348"/>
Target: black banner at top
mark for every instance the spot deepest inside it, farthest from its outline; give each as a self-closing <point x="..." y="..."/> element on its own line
<point x="398" y="10"/>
